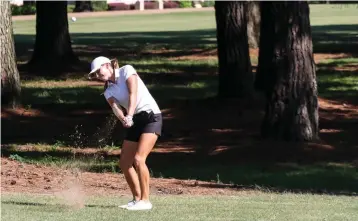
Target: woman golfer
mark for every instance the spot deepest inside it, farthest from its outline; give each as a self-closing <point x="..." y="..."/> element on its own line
<point x="135" y="107"/>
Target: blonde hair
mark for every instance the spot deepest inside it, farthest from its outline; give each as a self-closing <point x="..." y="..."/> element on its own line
<point x="115" y="65"/>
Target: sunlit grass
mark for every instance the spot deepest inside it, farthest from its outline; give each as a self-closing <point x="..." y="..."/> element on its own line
<point x="254" y="206"/>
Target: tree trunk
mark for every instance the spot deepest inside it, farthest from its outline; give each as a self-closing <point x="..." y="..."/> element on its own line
<point x="235" y="75"/>
<point x="287" y="72"/>
<point x="52" y="51"/>
<point x="10" y="79"/>
<point x="253" y="23"/>
<point x="83" y="6"/>
<point x="264" y="73"/>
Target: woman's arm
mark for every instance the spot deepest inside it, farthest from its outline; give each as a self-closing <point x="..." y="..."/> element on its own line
<point x="132" y="84"/>
<point x="117" y="110"/>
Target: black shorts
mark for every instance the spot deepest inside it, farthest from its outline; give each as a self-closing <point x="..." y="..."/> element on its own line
<point x="144" y="122"/>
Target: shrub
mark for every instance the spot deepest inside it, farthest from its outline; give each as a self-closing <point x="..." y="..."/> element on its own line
<point x="170" y="4"/>
<point x="70" y="8"/>
<point x="119" y="7"/>
<point x="208" y="3"/>
<point x="28" y="9"/>
<point x="99" y="6"/>
<point x="15" y="10"/>
<point x="185" y="4"/>
<point x="23" y="10"/>
<point x="83" y="7"/>
<point x="150" y="5"/>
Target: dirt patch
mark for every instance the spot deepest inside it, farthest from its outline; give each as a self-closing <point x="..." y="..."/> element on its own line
<point x="336" y="105"/>
<point x="197" y="55"/>
<point x="332" y="110"/>
<point x="67" y="83"/>
<point x="25" y="112"/>
<point x="200" y="54"/>
<point x="73" y="185"/>
<point x="318" y="57"/>
<point x="347" y="68"/>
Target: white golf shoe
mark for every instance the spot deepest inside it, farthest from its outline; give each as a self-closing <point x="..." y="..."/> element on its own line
<point x="141" y="205"/>
<point x="129" y="204"/>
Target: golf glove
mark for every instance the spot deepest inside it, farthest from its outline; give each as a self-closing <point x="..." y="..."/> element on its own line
<point x="128" y="120"/>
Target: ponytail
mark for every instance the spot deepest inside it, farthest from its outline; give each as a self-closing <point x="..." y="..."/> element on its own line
<point x="115" y="65"/>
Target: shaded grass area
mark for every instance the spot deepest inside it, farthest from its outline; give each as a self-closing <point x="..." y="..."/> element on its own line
<point x="246" y="207"/>
<point x="322" y="177"/>
<point x="66" y="160"/>
<point x="129" y="47"/>
<point x="338" y="79"/>
<point x="163" y="86"/>
<point x="335" y="38"/>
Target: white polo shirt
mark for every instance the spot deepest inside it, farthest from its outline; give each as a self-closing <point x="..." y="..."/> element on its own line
<point x="119" y="90"/>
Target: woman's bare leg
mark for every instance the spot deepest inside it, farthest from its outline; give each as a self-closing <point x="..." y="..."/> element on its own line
<point x="128" y="151"/>
<point x="145" y="146"/>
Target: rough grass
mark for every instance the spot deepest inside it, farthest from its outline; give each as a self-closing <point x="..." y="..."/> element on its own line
<point x="246" y="207"/>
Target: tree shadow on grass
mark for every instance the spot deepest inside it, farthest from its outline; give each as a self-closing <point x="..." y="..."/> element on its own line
<point x="335" y="39"/>
<point x="338" y="84"/>
<point x="129" y="45"/>
<point x="136" y="46"/>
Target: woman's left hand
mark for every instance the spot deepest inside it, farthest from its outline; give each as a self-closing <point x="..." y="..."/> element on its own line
<point x="128" y="120"/>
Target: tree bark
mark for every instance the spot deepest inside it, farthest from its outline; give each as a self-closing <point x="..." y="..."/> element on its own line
<point x="52" y="50"/>
<point x="287" y="73"/>
<point x="10" y="78"/>
<point x="235" y="74"/>
<point x="83" y="6"/>
<point x="253" y="23"/>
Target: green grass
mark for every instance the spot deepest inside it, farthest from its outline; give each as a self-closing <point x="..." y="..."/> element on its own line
<point x="339" y="14"/>
<point x="179" y="30"/>
<point x="338" y="84"/>
<point x="246" y="207"/>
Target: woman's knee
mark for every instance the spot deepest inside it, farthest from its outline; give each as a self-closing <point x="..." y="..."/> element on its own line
<point x="139" y="161"/>
<point x="125" y="163"/>
<point x="125" y="166"/>
<point x="127" y="155"/>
